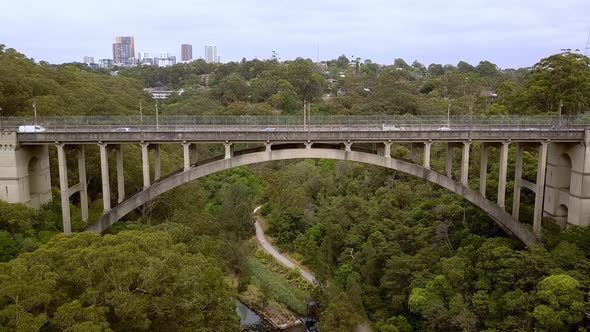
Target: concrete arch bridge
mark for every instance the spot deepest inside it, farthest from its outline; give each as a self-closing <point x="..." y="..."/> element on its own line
<point x="562" y="187"/>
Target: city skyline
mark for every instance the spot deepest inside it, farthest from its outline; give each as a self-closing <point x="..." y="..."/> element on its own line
<point x="507" y="33"/>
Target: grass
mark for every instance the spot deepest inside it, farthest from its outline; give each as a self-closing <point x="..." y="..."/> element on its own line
<point x="276" y="286"/>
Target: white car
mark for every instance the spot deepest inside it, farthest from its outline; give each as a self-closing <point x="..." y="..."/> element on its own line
<point x="121" y="130"/>
<point x="31" y="129"/>
<point x="444" y="128"/>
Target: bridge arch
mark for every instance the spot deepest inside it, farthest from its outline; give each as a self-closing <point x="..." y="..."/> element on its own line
<point x="501" y="217"/>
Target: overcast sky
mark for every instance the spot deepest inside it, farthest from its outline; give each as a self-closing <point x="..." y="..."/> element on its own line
<point x="513" y="33"/>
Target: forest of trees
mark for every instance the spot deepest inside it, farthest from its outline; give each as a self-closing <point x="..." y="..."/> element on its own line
<point x="389" y="250"/>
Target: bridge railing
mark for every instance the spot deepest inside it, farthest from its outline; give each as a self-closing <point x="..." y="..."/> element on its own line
<point x="316" y="122"/>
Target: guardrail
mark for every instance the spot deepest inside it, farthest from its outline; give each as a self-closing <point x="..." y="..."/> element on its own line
<point x="314" y="123"/>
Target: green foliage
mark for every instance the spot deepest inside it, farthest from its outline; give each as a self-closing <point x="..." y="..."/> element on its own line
<point x="562" y="303"/>
<point x="65" y="89"/>
<point x="391" y="246"/>
<point x="496" y="109"/>
<point x="560" y="78"/>
<point x="130" y="281"/>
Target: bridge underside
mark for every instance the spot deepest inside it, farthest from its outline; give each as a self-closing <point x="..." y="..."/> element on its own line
<point x="285" y="152"/>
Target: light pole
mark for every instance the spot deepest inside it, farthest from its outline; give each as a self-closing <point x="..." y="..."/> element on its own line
<point x="34" y="112"/>
<point x="449" y="115"/>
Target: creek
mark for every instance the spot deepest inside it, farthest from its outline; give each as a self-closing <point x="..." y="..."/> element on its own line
<point x="251" y="321"/>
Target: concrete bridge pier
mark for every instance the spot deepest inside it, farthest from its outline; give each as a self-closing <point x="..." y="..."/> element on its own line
<point x="83" y="183"/>
<point x="229" y="150"/>
<point x="426" y="161"/>
<point x="64" y="188"/>
<point x="104" y="176"/>
<point x="465" y="163"/>
<point x="387" y="149"/>
<point x="186" y="155"/>
<point x="24" y="172"/>
<point x="503" y="171"/>
<point x="145" y="162"/>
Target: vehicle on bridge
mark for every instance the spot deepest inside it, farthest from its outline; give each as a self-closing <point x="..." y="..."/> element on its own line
<point x="122" y="130"/>
<point x="31" y="129"/>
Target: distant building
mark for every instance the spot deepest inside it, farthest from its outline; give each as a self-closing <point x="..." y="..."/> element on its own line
<point x="123" y="50"/>
<point x="166" y="61"/>
<point x="144" y="58"/>
<point x="186" y="52"/>
<point x="211" y="54"/>
<point x="105" y="63"/>
<point x="162" y="94"/>
<point x="88" y="60"/>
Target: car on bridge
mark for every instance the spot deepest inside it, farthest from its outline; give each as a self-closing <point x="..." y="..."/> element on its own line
<point x="121" y="130"/>
<point x="31" y="129"/>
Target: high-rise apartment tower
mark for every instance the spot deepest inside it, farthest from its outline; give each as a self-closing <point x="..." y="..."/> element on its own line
<point x="186" y="52"/>
<point x="123" y="50"/>
<point x="211" y="54"/>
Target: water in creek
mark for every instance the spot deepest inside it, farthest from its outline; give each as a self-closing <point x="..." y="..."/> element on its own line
<point x="251" y="321"/>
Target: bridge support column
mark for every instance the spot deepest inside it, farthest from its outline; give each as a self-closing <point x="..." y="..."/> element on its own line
<point x="517" y="179"/>
<point x="483" y="169"/>
<point x="120" y="175"/>
<point x="449" y="163"/>
<point x="308" y="144"/>
<point x="541" y="168"/>
<point x="64" y="188"/>
<point x="348" y="146"/>
<point x="465" y="163"/>
<point x="268" y="146"/>
<point x="83" y="184"/>
<point x="502" y="174"/>
<point x="387" y="149"/>
<point x="426" y="162"/>
<point x="104" y="172"/>
<point x="186" y="155"/>
<point x="145" y="160"/>
<point x="157" y="163"/>
<point x="229" y="150"/>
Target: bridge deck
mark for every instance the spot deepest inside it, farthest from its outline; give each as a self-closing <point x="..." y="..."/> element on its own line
<point x="240" y="134"/>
